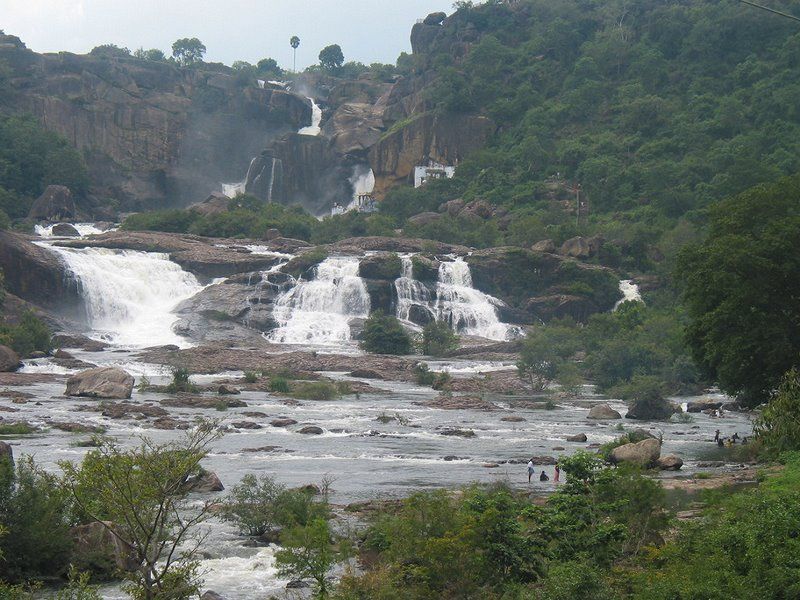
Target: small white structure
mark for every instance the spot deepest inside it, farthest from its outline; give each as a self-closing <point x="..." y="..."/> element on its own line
<point x="434" y="170"/>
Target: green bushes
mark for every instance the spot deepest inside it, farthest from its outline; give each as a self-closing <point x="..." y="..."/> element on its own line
<point x="315" y="390"/>
<point x="279" y="385"/>
<point x="383" y="334"/>
<point x="438" y="339"/>
<point x="777" y="428"/>
<point x="181" y="382"/>
<point x="29" y="335"/>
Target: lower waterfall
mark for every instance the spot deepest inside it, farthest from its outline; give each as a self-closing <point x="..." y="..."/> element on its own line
<point x="469" y="311"/>
<point x="318" y="312"/>
<point x="129" y="295"/>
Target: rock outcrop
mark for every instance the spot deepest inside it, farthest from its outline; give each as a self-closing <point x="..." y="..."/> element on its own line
<point x="644" y="453"/>
<point x="99" y="548"/>
<point x="65" y="230"/>
<point x="9" y="360"/>
<point x="102" y="382"/>
<point x="649" y="410"/>
<point x="55" y="204"/>
<point x="204" y="482"/>
<point x="603" y="412"/>
<point x="670" y="462"/>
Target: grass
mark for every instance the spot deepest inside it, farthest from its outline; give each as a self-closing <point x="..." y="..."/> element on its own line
<point x="181" y="382"/>
<point x="315" y="390"/>
<point x="250" y="377"/>
<point x="279" y="385"/>
<point x="16" y="429"/>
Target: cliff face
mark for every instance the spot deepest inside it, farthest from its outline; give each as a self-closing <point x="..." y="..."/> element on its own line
<point x="152" y="134"/>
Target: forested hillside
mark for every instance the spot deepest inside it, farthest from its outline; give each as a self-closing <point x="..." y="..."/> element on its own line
<point x="655" y="109"/>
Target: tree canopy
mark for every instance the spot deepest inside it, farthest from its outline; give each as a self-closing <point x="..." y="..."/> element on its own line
<point x="331" y="57"/>
<point x="742" y="291"/>
<point x="188" y="51"/>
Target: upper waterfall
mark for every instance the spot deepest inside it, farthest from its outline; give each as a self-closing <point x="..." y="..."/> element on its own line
<point x="129" y="295"/>
<point x="410" y="292"/>
<point x="630" y="293"/>
<point x="316" y="119"/>
<point x="318" y="312"/>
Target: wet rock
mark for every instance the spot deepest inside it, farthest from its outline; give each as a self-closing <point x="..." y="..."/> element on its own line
<point x="254" y="414"/>
<point x="558" y="448"/>
<point x="639" y="434"/>
<point x="246" y="425"/>
<point x="670" y="462"/>
<point x="265" y="449"/>
<point x="65" y="230"/>
<point x="227" y="390"/>
<point x="648" y="410"/>
<point x="189" y="401"/>
<point x="452" y="457"/>
<point x="78" y="341"/>
<point x="384" y="419"/>
<point x="464" y="433"/>
<point x="581" y="437"/>
<point x="121" y="410"/>
<point x="77" y="427"/>
<point x="211" y="595"/>
<point x="296" y="584"/>
<point x="98" y="548"/>
<point x="9" y="360"/>
<point x="55" y="204"/>
<point x="603" y="412"/>
<point x="711" y="464"/>
<point x="697" y="406"/>
<point x="644" y="453"/>
<point x="170" y="423"/>
<point x="38" y="354"/>
<point x="310" y="430"/>
<point x="63" y="354"/>
<point x="420" y="315"/>
<point x="450" y="402"/>
<point x="490" y="465"/>
<point x="386" y="266"/>
<point x="366" y="374"/>
<point x="513" y="419"/>
<point x="102" y="382"/>
<point x="204" y="482"/>
<point x="282" y="422"/>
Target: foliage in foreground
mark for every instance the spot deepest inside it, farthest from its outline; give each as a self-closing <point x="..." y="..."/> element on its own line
<point x="778" y="427"/>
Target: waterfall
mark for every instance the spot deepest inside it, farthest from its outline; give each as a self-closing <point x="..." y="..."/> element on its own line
<point x="83" y="229"/>
<point x="318" y="312"/>
<point x="129" y="295"/>
<point x="271" y="180"/>
<point x="231" y="190"/>
<point x="410" y="292"/>
<point x="316" y="119"/>
<point x="630" y="293"/>
<point x="469" y="311"/>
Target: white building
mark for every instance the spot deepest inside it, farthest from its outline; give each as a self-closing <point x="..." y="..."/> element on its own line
<point x="434" y="170"/>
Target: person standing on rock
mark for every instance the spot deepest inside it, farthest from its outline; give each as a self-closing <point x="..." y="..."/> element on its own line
<point x="557" y="474"/>
<point x="531" y="470"/>
<point x="716" y="435"/>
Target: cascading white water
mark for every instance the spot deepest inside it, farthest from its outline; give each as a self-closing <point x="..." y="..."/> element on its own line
<point x="469" y="311"/>
<point x="318" y="312"/>
<point x="129" y="295"/>
<point x="630" y="293"/>
<point x="410" y="292"/>
<point x="316" y="119"/>
<point x="271" y="180"/>
<point x="231" y="190"/>
<point x="83" y="229"/>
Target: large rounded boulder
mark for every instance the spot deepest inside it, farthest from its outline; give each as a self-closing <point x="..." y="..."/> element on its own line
<point x="55" y="204"/>
<point x="644" y="454"/>
<point x="9" y="360"/>
<point x="102" y="382"/>
<point x="602" y="412"/>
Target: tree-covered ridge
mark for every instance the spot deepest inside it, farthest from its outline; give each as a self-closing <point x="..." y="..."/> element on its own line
<point x="653" y="108"/>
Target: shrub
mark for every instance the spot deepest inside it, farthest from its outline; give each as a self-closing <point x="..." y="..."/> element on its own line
<point x="181" y="382"/>
<point x="315" y="390"/>
<point x="30" y="335"/>
<point x="250" y="377"/>
<point x="279" y="385"/>
<point x="15" y="429"/>
<point x="438" y="339"/>
<point x="383" y="334"/>
<point x="778" y="428"/>
<point x="253" y="505"/>
<point x="423" y="375"/>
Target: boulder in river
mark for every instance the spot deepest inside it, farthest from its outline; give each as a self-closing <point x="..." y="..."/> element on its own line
<point x="581" y="437"/>
<point x="464" y="433"/>
<point x="670" y="462"/>
<point x="282" y="422"/>
<point x="697" y="406"/>
<point x="603" y="412"/>
<point x="211" y="595"/>
<point x="204" y="482"/>
<point x="102" y="382"/>
<point x="65" y="230"/>
<point x="644" y="453"/>
<point x="227" y="390"/>
<point x="55" y="204"/>
<point x="311" y="430"/>
<point x="649" y="409"/>
<point x="9" y="360"/>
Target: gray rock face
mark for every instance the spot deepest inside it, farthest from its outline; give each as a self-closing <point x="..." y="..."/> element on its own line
<point x="580" y="247"/>
<point x="644" y="453"/>
<point x="647" y="410"/>
<point x="435" y="18"/>
<point x="380" y="266"/>
<point x="603" y="412"/>
<point x="102" y="382"/>
<point x="205" y="482"/>
<point x="55" y="204"/>
<point x="9" y="360"/>
<point x="547" y="246"/>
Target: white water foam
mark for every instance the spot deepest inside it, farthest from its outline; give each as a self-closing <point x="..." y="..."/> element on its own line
<point x="231" y="190"/>
<point x="319" y="311"/>
<point x="469" y="311"/>
<point x="316" y="119"/>
<point x="84" y="229"/>
<point x="630" y="293"/>
<point x="129" y="295"/>
<point x="410" y="292"/>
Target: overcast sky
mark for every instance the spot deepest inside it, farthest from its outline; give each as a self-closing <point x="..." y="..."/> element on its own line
<point x="367" y="30"/>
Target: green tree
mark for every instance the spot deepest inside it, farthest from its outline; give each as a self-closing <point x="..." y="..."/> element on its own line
<point x="741" y="292"/>
<point x="778" y="426"/>
<point x="268" y="67"/>
<point x="110" y="51"/>
<point x="153" y="55"/>
<point x="188" y="51"/>
<point x="543" y="353"/>
<point x="438" y="339"/>
<point x="294" y="42"/>
<point x="253" y="504"/>
<point x="309" y="552"/>
<point x="331" y="58"/>
<point x="384" y="334"/>
<point x="143" y="490"/>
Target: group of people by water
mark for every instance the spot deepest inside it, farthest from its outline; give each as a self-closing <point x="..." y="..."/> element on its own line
<point x="543" y="476"/>
<point x="729" y="441"/>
